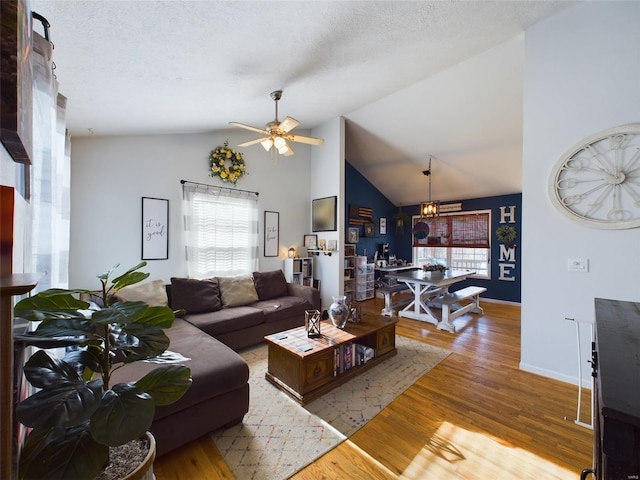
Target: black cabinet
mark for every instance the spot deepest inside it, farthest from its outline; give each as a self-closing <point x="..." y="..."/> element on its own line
<point x="616" y="368"/>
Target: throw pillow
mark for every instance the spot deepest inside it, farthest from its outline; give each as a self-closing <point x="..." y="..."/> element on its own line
<point x="153" y="293"/>
<point x="236" y="291"/>
<point x="270" y="284"/>
<point x="195" y="296"/>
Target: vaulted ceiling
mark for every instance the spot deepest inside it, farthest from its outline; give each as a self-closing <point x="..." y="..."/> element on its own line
<point x="413" y="79"/>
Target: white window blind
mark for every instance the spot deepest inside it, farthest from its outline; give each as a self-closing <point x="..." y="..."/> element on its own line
<point x="50" y="172"/>
<point x="221" y="231"/>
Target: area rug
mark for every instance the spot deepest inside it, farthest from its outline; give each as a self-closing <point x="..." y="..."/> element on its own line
<point x="278" y="437"/>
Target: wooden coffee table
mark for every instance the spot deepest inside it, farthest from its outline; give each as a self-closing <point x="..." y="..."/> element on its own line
<point x="305" y="368"/>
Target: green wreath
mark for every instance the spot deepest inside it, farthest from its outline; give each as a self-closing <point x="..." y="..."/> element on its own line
<point x="506" y="234"/>
<point x="218" y="160"/>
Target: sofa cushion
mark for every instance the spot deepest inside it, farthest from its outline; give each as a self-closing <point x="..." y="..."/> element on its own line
<point x="227" y="320"/>
<point x="276" y="309"/>
<point x="270" y="284"/>
<point x="152" y="293"/>
<point x="195" y="296"/>
<point x="215" y="368"/>
<point x="236" y="291"/>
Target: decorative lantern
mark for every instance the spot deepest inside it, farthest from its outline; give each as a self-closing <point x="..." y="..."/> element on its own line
<point x="312" y="323"/>
<point x="355" y="312"/>
<point x="429" y="209"/>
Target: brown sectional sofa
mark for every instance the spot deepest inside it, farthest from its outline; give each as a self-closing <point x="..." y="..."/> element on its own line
<point x="208" y="334"/>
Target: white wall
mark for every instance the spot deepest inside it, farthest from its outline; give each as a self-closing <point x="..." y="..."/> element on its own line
<point x="7" y="176"/>
<point x="327" y="179"/>
<point x="109" y="175"/>
<point x="582" y="75"/>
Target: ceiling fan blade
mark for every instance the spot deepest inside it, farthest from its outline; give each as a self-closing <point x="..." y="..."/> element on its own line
<point x="252" y="142"/>
<point x="302" y="139"/>
<point x="289" y="151"/>
<point x="288" y="124"/>
<point x="249" y="127"/>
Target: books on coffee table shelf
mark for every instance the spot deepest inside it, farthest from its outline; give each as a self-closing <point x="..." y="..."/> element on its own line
<point x="349" y="355"/>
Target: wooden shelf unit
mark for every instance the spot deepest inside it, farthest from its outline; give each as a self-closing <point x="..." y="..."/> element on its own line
<point x="349" y="285"/>
<point x="299" y="270"/>
<point x="10" y="285"/>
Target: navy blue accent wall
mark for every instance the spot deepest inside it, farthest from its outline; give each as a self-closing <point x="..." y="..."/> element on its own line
<point x="360" y="192"/>
<point x="506" y="263"/>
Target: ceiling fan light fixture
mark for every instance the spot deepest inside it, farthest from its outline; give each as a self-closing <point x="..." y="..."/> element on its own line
<point x="276" y="133"/>
<point x="279" y="143"/>
<point x="285" y="150"/>
<point x="267" y="144"/>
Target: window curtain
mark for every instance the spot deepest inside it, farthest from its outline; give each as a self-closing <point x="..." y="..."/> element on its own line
<point x="467" y="230"/>
<point x="221" y="231"/>
<point x="50" y="172"/>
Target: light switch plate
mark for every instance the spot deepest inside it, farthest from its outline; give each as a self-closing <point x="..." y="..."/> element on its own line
<point x="578" y="265"/>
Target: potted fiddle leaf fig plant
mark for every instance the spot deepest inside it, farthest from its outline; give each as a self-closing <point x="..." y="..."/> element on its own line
<point x="77" y="412"/>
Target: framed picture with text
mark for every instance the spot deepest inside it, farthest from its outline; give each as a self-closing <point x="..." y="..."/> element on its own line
<point x="271" y="233"/>
<point x="155" y="228"/>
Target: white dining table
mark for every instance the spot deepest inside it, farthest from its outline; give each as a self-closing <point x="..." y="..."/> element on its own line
<point x="427" y="287"/>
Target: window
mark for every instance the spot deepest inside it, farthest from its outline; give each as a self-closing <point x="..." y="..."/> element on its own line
<point x="457" y="240"/>
<point x="221" y="228"/>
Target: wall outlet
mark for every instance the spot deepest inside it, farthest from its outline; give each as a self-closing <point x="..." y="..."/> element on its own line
<point x="578" y="265"/>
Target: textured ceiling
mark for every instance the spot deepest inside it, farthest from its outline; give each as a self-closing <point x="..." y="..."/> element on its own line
<point x="395" y="70"/>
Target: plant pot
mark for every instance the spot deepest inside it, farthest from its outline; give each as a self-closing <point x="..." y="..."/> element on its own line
<point x="144" y="471"/>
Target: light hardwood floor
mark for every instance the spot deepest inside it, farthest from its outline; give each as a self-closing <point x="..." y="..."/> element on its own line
<point x="474" y="416"/>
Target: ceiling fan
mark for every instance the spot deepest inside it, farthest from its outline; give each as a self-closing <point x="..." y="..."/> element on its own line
<point x="277" y="133"/>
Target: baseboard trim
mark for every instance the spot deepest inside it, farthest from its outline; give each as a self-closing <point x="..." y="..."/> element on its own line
<point x="502" y="302"/>
<point x="573" y="380"/>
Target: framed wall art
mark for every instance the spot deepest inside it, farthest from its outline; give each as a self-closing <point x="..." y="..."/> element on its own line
<point x="353" y="235"/>
<point x="323" y="214"/>
<point x="271" y="233"/>
<point x="310" y="241"/>
<point x="383" y="226"/>
<point x="155" y="228"/>
<point x="369" y="230"/>
<point x="16" y="81"/>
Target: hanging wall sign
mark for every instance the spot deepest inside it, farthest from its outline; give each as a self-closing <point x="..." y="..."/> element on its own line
<point x="507" y="235"/>
<point x="155" y="228"/>
<point x="271" y="233"/>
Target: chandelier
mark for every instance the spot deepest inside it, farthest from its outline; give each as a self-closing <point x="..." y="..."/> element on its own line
<point x="430" y="208"/>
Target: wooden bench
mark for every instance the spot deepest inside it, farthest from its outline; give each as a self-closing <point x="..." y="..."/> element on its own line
<point x="452" y="299"/>
<point x="389" y="304"/>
